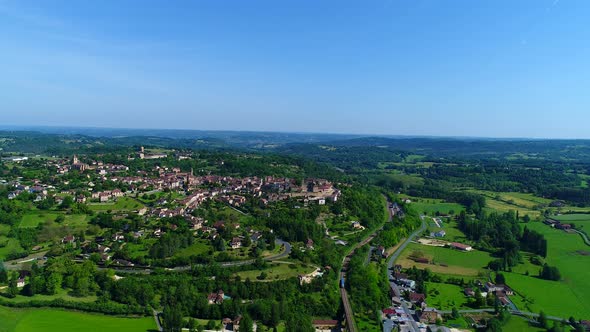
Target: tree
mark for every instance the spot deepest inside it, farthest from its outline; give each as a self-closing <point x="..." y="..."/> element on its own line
<point x="455" y="313"/>
<point x="298" y="321"/>
<point x="550" y="273"/>
<point x="172" y="319"/>
<point x="210" y="325"/>
<point x="557" y="327"/>
<point x="192" y="325"/>
<point x="246" y="324"/>
<point x="3" y="273"/>
<point x="500" y="279"/>
<point x="12" y="285"/>
<point x="494" y="325"/>
<point x="543" y="320"/>
<point x="275" y="314"/>
<point x="67" y="202"/>
<point x="479" y="300"/>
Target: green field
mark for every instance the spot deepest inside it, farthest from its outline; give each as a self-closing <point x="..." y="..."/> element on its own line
<point x="61" y="294"/>
<point x="571" y="296"/>
<point x="453" y="234"/>
<point x="198" y="248"/>
<point x="8" y="245"/>
<point x="122" y="204"/>
<point x="458" y="263"/>
<point x="519" y="324"/>
<point x="277" y="271"/>
<point x="446" y="296"/>
<point x="406" y="179"/>
<point x="34" y="219"/>
<point x="430" y="206"/>
<point x="49" y="320"/>
<point x="579" y="217"/>
<point x="524" y="203"/>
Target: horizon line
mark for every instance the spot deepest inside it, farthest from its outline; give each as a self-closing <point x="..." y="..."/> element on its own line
<point x="6" y="127"/>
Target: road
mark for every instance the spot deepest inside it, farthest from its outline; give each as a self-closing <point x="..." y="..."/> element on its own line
<point x="394" y="256"/>
<point x="157" y="319"/>
<point x="584" y="236"/>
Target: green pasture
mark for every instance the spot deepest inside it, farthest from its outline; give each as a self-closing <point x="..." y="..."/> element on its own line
<point x="446" y="296"/>
<point x="8" y="245"/>
<point x="49" y="320"/>
<point x="277" y="271"/>
<point x="122" y="204"/>
<point x="580" y="218"/>
<point x="200" y="247"/>
<point x="519" y="324"/>
<point x="447" y="261"/>
<point x="40" y="217"/>
<point x="571" y="295"/>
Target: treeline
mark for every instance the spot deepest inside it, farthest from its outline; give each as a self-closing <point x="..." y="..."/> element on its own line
<point x="534" y="242"/>
<point x="500" y="233"/>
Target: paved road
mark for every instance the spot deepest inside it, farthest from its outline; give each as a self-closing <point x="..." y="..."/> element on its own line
<point x="157" y="319"/>
<point x="394" y="256"/>
<point x="584" y="236"/>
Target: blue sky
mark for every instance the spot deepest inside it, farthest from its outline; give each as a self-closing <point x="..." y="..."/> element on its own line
<point x="457" y="68"/>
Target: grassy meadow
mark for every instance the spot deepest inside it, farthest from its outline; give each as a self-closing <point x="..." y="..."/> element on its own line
<point x="571" y="295"/>
<point x="446" y="296"/>
<point x="122" y="204"/>
<point x="277" y="271"/>
<point x="49" y="320"/>
<point x="446" y="261"/>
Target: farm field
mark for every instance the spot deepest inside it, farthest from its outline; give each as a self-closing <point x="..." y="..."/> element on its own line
<point x="571" y="296"/>
<point x="61" y="294"/>
<point x="198" y="248"/>
<point x="518" y="199"/>
<point x="49" y="320"/>
<point x="519" y="324"/>
<point x="524" y="203"/>
<point x="504" y="202"/>
<point x="35" y="219"/>
<point x="450" y="227"/>
<point x="122" y="204"/>
<point x="406" y="179"/>
<point x="577" y="217"/>
<point x="8" y="245"/>
<point x="277" y="271"/>
<point x="447" y="261"/>
<point x="430" y="206"/>
<point x="446" y="296"/>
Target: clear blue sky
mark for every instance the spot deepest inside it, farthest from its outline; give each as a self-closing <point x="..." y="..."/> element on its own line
<point x="461" y="68"/>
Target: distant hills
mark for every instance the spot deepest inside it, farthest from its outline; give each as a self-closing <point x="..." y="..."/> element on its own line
<point x="322" y="147"/>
